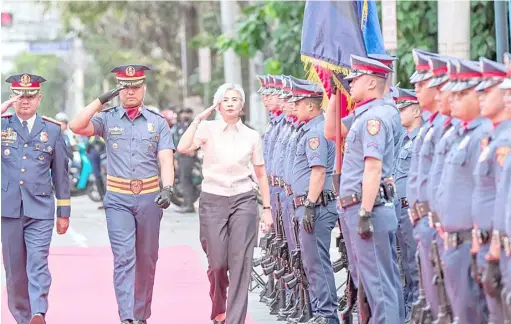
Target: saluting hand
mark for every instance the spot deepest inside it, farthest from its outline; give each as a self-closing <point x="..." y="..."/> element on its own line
<point x="266" y="220"/>
<point x="8" y="103"/>
<point x="62" y="225"/>
<point x="109" y="95"/>
<point x="205" y="114"/>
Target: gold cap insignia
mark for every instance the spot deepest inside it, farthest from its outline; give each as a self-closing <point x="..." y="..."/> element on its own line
<point x="25" y="80"/>
<point x="130" y="71"/>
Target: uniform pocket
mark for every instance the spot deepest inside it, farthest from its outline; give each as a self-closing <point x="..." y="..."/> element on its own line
<point x="42" y="189"/>
<point x="150" y="144"/>
<point x="10" y="151"/>
<point x="5" y="185"/>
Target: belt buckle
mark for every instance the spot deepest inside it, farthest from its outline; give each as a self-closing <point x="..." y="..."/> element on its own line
<point x="136" y="186"/>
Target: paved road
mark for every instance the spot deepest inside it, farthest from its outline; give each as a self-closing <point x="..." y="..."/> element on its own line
<point x="81" y="265"/>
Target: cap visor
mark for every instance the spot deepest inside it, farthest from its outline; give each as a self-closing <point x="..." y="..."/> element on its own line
<point x="506" y="84"/>
<point x="353" y="75"/>
<point x="403" y="105"/>
<point x="448" y="86"/>
<point x="295" y="99"/>
<point x="284" y="95"/>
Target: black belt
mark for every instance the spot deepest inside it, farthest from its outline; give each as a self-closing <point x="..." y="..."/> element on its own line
<point x="404" y="202"/>
<point x="356" y="198"/>
<point x="455" y="239"/>
<point x="324" y="198"/>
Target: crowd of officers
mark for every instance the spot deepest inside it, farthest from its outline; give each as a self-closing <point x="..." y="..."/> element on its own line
<point x="427" y="169"/>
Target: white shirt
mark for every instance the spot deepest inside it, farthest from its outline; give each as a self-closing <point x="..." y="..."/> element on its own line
<point x="30" y="122"/>
<point x="229" y="153"/>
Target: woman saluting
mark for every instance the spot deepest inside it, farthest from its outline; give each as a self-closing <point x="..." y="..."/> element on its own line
<point x="228" y="207"/>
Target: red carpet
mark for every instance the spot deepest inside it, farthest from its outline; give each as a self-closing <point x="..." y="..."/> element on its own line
<point x="82" y="289"/>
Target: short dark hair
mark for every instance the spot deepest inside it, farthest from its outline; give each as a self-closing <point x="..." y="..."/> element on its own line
<point x="316" y="101"/>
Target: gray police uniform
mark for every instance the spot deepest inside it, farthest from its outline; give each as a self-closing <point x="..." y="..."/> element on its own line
<point x="279" y="123"/>
<point x="432" y="133"/>
<point x="314" y="149"/>
<point x="31" y="162"/>
<point x="133" y="218"/>
<point x="502" y="222"/>
<point x="486" y="172"/>
<point x="372" y="135"/>
<point x="278" y="170"/>
<point x="289" y="161"/>
<point x="457" y="183"/>
<point x="404" y="231"/>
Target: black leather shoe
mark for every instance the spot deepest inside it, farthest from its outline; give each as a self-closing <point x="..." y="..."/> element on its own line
<point x="127" y="322"/>
<point x="139" y="322"/>
<point x="218" y="322"/>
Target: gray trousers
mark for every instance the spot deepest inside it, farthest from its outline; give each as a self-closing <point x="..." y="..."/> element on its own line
<point x="133" y="223"/>
<point x="25" y="250"/>
<point x="228" y="233"/>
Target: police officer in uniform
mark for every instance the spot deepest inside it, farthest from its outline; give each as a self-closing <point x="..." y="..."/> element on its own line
<point x="492" y="107"/>
<point x="32" y="148"/>
<point x="502" y="221"/>
<point x="421" y="230"/>
<point x="457" y="183"/>
<point x="137" y="140"/>
<point x="314" y="201"/>
<point x="411" y="118"/>
<point x="367" y="192"/>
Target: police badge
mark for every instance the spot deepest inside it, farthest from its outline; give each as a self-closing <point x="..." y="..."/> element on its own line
<point x="150" y="128"/>
<point x="43" y="137"/>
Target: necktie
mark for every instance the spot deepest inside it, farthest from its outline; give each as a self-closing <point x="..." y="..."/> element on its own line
<point x="25" y="129"/>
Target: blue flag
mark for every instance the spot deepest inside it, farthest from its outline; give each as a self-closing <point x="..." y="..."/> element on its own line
<point x="331" y="33"/>
<point x="370" y="26"/>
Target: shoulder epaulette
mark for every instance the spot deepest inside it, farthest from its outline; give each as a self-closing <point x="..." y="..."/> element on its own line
<point x="6" y="115"/>
<point x="154" y="112"/>
<point x="51" y="120"/>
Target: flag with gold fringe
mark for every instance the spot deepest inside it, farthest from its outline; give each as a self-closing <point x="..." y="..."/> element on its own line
<point x="333" y="31"/>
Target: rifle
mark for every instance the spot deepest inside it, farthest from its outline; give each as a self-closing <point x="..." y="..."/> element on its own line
<point x="278" y="304"/>
<point x="444" y="309"/>
<point x="346" y="314"/>
<point x="421" y="311"/>
<point x="265" y="261"/>
<point x="302" y="312"/>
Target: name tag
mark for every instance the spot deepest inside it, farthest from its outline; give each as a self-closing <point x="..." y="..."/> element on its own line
<point x="115" y="130"/>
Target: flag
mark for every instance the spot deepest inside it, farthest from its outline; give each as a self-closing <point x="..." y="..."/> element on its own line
<point x="370" y="26"/>
<point x="332" y="31"/>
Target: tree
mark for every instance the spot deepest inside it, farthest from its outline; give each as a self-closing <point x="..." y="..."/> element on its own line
<point x="127" y="32"/>
<point x="274" y="27"/>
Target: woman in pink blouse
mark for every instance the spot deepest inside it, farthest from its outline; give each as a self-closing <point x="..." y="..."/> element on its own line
<point x="228" y="206"/>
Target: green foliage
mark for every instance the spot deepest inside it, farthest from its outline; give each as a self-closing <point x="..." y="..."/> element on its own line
<point x="417" y="28"/>
<point x="482" y="23"/>
<point x="273" y="27"/>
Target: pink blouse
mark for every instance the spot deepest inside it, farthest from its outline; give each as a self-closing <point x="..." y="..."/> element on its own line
<point x="229" y="151"/>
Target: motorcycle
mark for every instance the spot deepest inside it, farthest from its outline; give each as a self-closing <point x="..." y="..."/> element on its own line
<point x="81" y="175"/>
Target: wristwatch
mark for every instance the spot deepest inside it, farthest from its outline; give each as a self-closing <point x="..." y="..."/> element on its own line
<point x="364" y="213"/>
<point x="308" y="203"/>
<point x="267" y="207"/>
